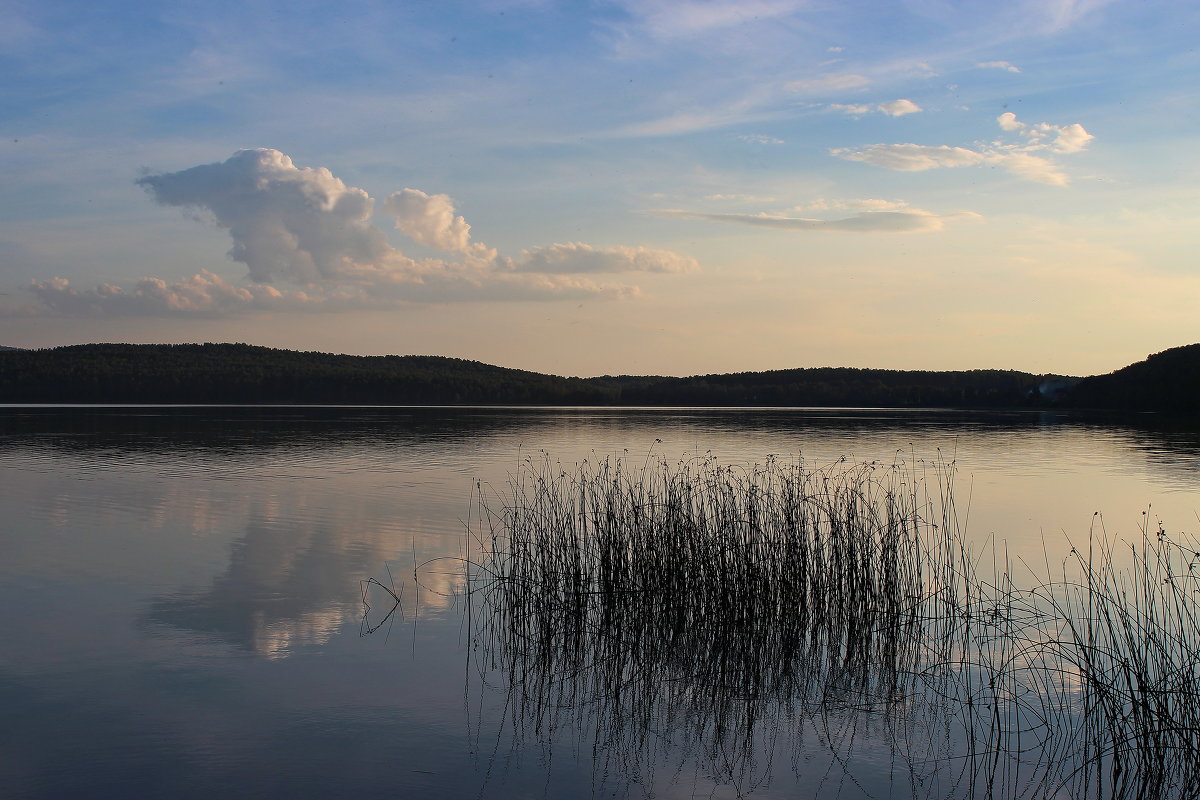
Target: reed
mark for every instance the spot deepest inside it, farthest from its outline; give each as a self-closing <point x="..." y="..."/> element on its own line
<point x="713" y="609"/>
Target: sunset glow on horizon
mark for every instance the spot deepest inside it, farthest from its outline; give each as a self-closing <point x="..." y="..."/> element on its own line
<point x="676" y="187"/>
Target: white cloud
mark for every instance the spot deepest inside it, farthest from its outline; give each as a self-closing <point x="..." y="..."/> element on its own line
<point x="864" y="204"/>
<point x="1020" y="158"/>
<point x="683" y="123"/>
<point x="1069" y="138"/>
<point x="1060" y="138"/>
<point x="1030" y="167"/>
<point x="912" y="157"/>
<point x="679" y="19"/>
<point x="893" y="108"/>
<point x="1004" y="65"/>
<point x="1008" y="121"/>
<point x="204" y="294"/>
<point x="286" y="222"/>
<point x="898" y="108"/>
<point x="430" y="220"/>
<point x="740" y="198"/>
<point x="303" y="226"/>
<point x="851" y="108"/>
<point x="1055" y="16"/>
<point x="758" y="138"/>
<point x="828" y="84"/>
<point x="575" y="257"/>
<point x="910" y="221"/>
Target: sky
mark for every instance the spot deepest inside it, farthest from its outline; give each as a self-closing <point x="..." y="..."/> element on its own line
<point x="670" y="187"/>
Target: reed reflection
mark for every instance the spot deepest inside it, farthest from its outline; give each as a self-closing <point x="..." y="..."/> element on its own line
<point x="696" y="617"/>
<point x="700" y="613"/>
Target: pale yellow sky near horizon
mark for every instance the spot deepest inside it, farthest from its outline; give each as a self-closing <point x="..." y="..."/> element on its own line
<point x="677" y="187"/>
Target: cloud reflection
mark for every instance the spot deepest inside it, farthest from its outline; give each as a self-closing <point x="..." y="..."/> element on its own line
<point x="287" y="586"/>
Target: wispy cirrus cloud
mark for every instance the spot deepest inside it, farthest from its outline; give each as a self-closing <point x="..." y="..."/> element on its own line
<point x="863" y="204"/>
<point x="827" y="84"/>
<point x="1021" y="157"/>
<point x="1054" y="16"/>
<point x="1004" y="65"/>
<point x="910" y="157"/>
<point x="890" y="221"/>
<point x="308" y="242"/>
<point x="577" y="257"/>
<point x="758" y="138"/>
<point x="893" y="108"/>
<point x="734" y="197"/>
<point x="686" y="122"/>
<point x="209" y="296"/>
<point x="682" y="19"/>
<point x="204" y="294"/>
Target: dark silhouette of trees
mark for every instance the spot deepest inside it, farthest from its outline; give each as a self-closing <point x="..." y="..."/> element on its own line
<point x="245" y="374"/>
<point x="1168" y="381"/>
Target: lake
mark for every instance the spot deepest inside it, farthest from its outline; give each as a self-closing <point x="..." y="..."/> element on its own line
<point x="184" y="593"/>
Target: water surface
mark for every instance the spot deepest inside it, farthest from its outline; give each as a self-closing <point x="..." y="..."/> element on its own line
<point x="184" y="588"/>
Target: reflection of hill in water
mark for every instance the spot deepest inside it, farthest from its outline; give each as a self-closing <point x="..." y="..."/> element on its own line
<point x="1169" y="446"/>
<point x="219" y="431"/>
<point x="238" y="428"/>
<point x="231" y="438"/>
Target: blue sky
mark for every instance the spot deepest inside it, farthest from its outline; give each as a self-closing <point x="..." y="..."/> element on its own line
<point x="584" y="188"/>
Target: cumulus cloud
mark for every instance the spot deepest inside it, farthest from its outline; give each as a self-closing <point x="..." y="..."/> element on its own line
<point x="1020" y="157"/>
<point x="287" y="222"/>
<point x="909" y="221"/>
<point x="430" y="220"/>
<point x="305" y="227"/>
<point x="1060" y="138"/>
<point x="898" y="108"/>
<point x="893" y="108"/>
<point x="1004" y="65"/>
<point x="1008" y="122"/>
<point x="1070" y="138"/>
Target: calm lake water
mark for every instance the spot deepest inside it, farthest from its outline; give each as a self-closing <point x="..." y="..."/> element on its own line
<point x="183" y="591"/>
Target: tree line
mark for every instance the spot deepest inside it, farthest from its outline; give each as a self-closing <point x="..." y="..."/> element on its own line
<point x="240" y="373"/>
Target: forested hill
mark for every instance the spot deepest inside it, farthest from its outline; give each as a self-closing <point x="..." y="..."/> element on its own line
<point x="238" y="373"/>
<point x="839" y="386"/>
<point x="1167" y="381"/>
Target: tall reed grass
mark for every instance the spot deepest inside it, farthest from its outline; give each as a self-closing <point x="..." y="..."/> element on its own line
<point x="713" y="609"/>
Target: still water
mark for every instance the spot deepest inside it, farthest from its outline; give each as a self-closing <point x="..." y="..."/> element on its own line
<point x="183" y="590"/>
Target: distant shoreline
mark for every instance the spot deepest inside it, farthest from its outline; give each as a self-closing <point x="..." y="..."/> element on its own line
<point x="244" y="375"/>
